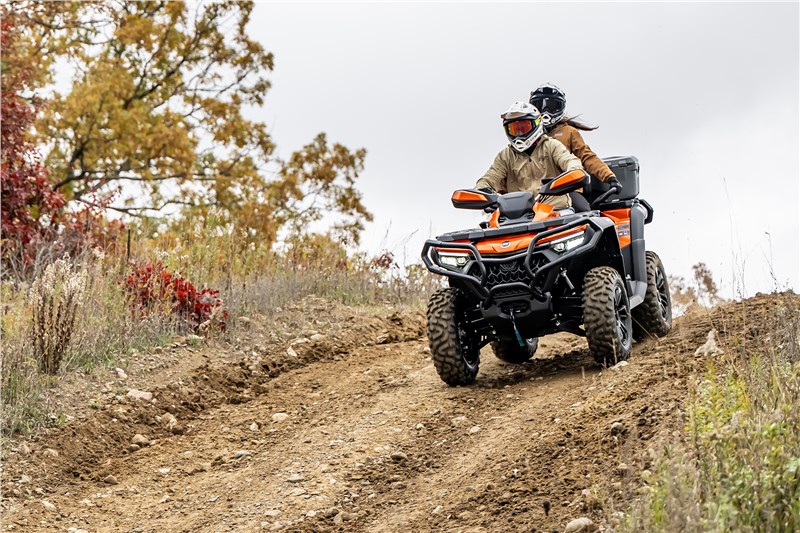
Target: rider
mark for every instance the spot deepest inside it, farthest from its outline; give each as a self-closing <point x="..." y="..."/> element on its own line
<point x="552" y="102"/>
<point x="530" y="157"/>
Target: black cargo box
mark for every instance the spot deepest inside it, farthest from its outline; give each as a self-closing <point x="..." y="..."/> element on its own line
<point x="626" y="168"/>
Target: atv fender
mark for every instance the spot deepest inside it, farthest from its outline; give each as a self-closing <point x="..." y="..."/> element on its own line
<point x="637" y="284"/>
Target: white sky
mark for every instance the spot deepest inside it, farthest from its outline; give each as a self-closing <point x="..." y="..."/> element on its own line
<point x="705" y="95"/>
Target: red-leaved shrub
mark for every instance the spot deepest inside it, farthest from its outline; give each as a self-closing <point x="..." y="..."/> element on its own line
<point x="30" y="206"/>
<point x="36" y="222"/>
<point x="153" y="289"/>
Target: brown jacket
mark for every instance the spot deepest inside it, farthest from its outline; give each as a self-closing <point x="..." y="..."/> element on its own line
<point x="513" y="171"/>
<point x="571" y="138"/>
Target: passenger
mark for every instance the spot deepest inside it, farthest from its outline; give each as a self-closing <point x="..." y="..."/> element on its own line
<point x="552" y="102"/>
<point x="530" y="157"/>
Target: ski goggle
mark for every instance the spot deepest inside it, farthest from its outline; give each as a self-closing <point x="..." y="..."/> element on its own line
<point x="548" y="105"/>
<point x="519" y="127"/>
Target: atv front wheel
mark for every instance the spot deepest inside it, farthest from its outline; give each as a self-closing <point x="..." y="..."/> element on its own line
<point x="607" y="316"/>
<point x="455" y="353"/>
<point x="654" y="315"/>
<point x="512" y="352"/>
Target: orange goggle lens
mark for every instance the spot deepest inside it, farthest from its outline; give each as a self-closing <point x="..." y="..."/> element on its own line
<point x="520" y="127"/>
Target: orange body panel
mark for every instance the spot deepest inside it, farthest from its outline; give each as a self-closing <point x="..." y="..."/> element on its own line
<point x="454" y="250"/>
<point x="495" y="246"/>
<point x="542" y="211"/>
<point x="468" y="196"/>
<point x="622" y="221"/>
<point x="516" y="243"/>
<point x="494" y="220"/>
<point x="566" y="179"/>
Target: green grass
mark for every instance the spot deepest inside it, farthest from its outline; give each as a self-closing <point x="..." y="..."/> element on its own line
<point x="737" y="465"/>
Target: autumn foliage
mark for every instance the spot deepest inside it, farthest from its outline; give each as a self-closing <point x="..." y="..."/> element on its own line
<point x="155" y="121"/>
<point x="30" y="207"/>
<point x="154" y="289"/>
<point x="129" y="126"/>
<point x="148" y="118"/>
<point x="36" y="224"/>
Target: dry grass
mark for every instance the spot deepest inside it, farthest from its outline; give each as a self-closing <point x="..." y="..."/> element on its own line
<point x="92" y="327"/>
<point x="73" y="316"/>
<point x="737" y="467"/>
<point x="55" y="298"/>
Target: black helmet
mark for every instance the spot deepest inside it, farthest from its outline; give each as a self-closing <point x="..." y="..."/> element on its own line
<point x="551" y="101"/>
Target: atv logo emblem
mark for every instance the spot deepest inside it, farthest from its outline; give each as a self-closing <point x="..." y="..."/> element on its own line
<point x="505" y="244"/>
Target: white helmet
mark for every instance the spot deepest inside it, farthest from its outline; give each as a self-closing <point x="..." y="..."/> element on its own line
<point x="523" y="125"/>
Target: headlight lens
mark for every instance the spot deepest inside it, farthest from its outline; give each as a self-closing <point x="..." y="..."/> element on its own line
<point x="454" y="259"/>
<point x="567" y="243"/>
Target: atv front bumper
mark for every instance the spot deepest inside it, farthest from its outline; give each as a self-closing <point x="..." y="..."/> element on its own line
<point x="526" y="275"/>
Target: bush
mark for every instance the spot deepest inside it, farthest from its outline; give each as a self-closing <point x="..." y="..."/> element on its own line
<point x="55" y="298"/>
<point x="28" y="204"/>
<point x="154" y="289"/>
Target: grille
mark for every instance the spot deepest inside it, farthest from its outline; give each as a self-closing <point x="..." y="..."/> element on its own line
<point x="509" y="272"/>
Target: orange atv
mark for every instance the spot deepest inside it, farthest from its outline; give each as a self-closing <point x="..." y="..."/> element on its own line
<point x="532" y="271"/>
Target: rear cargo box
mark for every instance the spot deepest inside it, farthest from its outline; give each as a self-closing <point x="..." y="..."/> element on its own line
<point x="626" y="168"/>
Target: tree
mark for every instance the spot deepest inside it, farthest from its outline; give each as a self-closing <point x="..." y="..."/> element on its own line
<point x="320" y="179"/>
<point x="30" y="207"/>
<point x="157" y="115"/>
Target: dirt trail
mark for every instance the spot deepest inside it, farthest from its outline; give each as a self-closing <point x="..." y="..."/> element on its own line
<point x="353" y="431"/>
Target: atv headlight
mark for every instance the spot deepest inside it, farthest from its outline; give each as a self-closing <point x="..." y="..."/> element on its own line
<point x="567" y="243"/>
<point x="453" y="259"/>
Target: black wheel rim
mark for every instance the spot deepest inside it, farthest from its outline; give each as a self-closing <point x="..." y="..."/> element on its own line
<point x="663" y="294"/>
<point x="623" y="315"/>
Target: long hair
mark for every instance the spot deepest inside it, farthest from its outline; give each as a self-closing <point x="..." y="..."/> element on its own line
<point x="577" y="124"/>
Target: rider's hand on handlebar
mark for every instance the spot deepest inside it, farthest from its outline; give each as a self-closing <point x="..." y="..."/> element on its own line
<point x="614" y="184"/>
<point x="487" y="190"/>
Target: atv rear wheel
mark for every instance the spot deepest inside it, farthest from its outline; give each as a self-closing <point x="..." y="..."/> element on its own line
<point x="512" y="352"/>
<point x="654" y="315"/>
<point x="607" y="316"/>
<point x="454" y="349"/>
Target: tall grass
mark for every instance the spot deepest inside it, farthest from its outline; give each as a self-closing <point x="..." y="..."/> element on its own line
<point x="254" y="280"/>
<point x="251" y="279"/>
<point x="43" y="338"/>
<point x="738" y="466"/>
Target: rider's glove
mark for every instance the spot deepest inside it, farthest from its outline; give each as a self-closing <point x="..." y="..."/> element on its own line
<point x="487" y="190"/>
<point x="614" y="183"/>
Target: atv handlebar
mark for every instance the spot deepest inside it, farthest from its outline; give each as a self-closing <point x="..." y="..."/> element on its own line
<point x="613" y="189"/>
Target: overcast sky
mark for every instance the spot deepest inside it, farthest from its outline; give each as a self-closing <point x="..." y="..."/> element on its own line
<point x="705" y="95"/>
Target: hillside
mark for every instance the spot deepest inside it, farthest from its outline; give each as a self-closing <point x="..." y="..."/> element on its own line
<point x="327" y="418"/>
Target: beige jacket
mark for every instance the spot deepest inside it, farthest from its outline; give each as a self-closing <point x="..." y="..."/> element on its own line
<point x="513" y="171"/>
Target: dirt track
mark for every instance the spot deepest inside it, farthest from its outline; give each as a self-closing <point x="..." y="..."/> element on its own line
<point x="372" y="441"/>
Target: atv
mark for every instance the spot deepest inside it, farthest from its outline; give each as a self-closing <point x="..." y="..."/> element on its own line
<point x="532" y="270"/>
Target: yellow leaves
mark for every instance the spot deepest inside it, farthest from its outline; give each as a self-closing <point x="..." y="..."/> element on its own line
<point x="321" y="178"/>
<point x="134" y="29"/>
<point x="159" y="110"/>
<point x="175" y="10"/>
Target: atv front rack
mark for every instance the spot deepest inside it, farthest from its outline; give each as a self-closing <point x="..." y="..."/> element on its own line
<point x="537" y="273"/>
